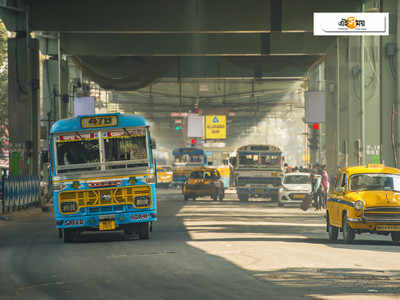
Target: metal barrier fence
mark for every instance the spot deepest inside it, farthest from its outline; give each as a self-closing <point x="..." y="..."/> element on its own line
<point x="20" y="192"/>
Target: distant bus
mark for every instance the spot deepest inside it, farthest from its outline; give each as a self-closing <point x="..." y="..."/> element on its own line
<point x="102" y="175"/>
<point x="258" y="171"/>
<point x="185" y="160"/>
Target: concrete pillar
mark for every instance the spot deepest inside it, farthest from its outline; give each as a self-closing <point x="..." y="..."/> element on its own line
<point x="371" y="67"/>
<point x="353" y="80"/>
<point x="24" y="103"/>
<point x="332" y="103"/>
<point x="388" y="88"/>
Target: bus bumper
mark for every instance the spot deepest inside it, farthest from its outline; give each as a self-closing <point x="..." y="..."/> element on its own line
<point x="92" y="222"/>
<point x="258" y="191"/>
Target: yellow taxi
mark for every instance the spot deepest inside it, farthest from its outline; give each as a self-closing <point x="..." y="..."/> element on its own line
<point x="204" y="182"/>
<point x="365" y="199"/>
<point x="164" y="176"/>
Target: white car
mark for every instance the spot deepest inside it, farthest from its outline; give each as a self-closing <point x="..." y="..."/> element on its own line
<point x="295" y="187"/>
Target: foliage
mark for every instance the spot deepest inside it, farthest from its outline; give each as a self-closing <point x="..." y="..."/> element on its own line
<point x="3" y="87"/>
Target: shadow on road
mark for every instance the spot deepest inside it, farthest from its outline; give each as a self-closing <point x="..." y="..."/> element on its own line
<point x="105" y="265"/>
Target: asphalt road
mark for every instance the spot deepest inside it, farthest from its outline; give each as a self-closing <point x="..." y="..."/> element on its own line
<point x="199" y="250"/>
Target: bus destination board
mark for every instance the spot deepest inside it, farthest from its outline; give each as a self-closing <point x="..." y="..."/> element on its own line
<point x="99" y="121"/>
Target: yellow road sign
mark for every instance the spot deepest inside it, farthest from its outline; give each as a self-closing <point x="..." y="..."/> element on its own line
<point x="215" y="127"/>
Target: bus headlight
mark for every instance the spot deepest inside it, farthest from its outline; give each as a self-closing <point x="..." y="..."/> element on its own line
<point x="142" y="201"/>
<point x="67" y="207"/>
<point x="150" y="179"/>
<point x="359" y="205"/>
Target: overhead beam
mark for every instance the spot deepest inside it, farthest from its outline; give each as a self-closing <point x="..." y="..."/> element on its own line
<point x="181" y="15"/>
<point x="276" y="43"/>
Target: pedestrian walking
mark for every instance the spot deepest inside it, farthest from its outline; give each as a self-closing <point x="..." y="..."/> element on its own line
<point x="325" y="184"/>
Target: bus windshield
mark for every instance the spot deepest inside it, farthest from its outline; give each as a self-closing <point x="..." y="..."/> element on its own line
<point x="189" y="158"/>
<point x="122" y="148"/>
<point x="262" y="159"/>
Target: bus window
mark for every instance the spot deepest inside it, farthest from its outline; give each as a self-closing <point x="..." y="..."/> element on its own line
<point x="125" y="148"/>
<point x="78" y="152"/>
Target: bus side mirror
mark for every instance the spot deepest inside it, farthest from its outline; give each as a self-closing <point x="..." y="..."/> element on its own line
<point x="153" y="144"/>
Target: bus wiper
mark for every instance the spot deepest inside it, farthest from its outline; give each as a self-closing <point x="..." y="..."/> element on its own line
<point x="126" y="132"/>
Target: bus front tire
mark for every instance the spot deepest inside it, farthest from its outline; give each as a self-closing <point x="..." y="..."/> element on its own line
<point x="70" y="235"/>
<point x="395" y="237"/>
<point x="145" y="230"/>
<point x="243" y="197"/>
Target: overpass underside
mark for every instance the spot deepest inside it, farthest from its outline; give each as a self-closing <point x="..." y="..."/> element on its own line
<point x="253" y="58"/>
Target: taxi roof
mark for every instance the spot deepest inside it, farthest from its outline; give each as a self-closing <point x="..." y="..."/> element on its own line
<point x="371" y="168"/>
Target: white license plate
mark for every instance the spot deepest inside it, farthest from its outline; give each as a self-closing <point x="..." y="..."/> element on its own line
<point x="107" y="217"/>
<point x="387" y="227"/>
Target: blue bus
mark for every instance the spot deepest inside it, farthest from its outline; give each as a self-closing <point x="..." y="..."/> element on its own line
<point x="185" y="159"/>
<point x="102" y="175"/>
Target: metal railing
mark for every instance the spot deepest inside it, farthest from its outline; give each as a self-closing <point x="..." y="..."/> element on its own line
<point x="19" y="192"/>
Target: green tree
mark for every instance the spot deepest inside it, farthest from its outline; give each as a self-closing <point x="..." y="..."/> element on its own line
<point x="3" y="88"/>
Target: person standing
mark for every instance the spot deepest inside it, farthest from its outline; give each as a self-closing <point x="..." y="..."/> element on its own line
<point x="325" y="184"/>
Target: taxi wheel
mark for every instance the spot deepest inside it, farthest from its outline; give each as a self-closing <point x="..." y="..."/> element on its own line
<point x="221" y="195"/>
<point x="215" y="196"/>
<point x="332" y="230"/>
<point x="395" y="236"/>
<point x="348" y="232"/>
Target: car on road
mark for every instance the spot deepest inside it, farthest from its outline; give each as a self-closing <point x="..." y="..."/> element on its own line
<point x="164" y="176"/>
<point x="204" y="182"/>
<point x="296" y="187"/>
<point x="365" y="199"/>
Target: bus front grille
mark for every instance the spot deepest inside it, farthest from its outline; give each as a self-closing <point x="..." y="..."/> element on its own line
<point x="106" y="196"/>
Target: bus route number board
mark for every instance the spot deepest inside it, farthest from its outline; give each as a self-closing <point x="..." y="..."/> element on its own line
<point x="99" y="121"/>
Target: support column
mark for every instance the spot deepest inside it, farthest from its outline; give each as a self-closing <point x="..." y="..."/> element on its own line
<point x="332" y="123"/>
<point x="388" y="85"/>
<point x="24" y="103"/>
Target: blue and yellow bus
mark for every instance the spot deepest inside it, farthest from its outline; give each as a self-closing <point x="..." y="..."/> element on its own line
<point x="185" y="160"/>
<point x="102" y="175"/>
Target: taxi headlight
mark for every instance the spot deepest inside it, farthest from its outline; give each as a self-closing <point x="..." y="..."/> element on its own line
<point x="359" y="205"/>
<point x="67" y="207"/>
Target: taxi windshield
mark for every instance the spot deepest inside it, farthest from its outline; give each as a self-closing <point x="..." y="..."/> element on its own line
<point x="384" y="182"/>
